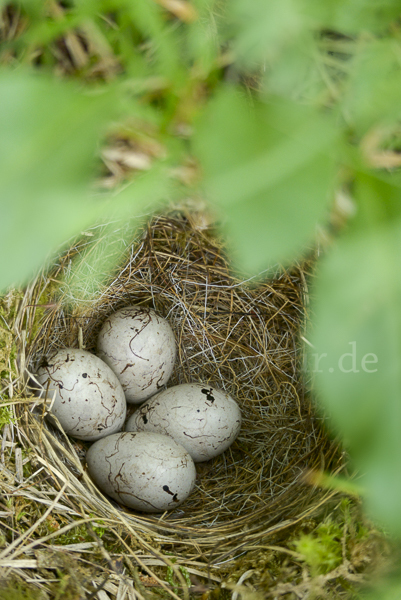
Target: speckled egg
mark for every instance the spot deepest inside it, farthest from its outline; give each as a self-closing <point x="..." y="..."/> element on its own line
<point x="204" y="419"/>
<point x="139" y="346"/>
<point x="145" y="471"/>
<point x="89" y="400"/>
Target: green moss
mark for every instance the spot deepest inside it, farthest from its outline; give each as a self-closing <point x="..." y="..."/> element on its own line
<point x="6" y="416"/>
<point x="322" y="550"/>
<point x="8" y="309"/>
<point x="17" y="590"/>
<point x="80" y="534"/>
<point x="7" y="351"/>
<point x="172" y="579"/>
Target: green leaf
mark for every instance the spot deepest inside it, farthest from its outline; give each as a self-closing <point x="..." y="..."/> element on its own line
<point x="162" y="39"/>
<point x="202" y="34"/>
<point x="263" y="29"/>
<point x="49" y="135"/>
<point x="354" y="16"/>
<point x="109" y="242"/>
<point x="356" y="359"/>
<point x="387" y="589"/>
<point x="378" y="201"/>
<point x="269" y="170"/>
<point x="297" y="71"/>
<point x="280" y="36"/>
<point x="372" y="97"/>
<point x="34" y="8"/>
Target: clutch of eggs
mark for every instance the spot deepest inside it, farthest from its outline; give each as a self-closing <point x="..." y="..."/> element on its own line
<point x="145" y="471"/>
<point x="204" y="419"/>
<point x="89" y="400"/>
<point x="139" y="346"/>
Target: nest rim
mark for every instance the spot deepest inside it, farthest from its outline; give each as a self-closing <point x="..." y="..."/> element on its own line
<point x="204" y="536"/>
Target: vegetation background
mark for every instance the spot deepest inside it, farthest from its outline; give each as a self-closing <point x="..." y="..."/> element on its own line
<point x="284" y="115"/>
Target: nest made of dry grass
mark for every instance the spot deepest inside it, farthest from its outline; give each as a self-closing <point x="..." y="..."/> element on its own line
<point x="241" y="337"/>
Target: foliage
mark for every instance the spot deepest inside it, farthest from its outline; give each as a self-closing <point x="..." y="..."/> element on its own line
<point x="172" y="580"/>
<point x="65" y="586"/>
<point x="386" y="591"/>
<point x="6" y="416"/>
<point x="78" y="534"/>
<point x="16" y="590"/>
<point x="260" y="158"/>
<point x="285" y="107"/>
<point x="322" y="552"/>
<point x="334" y="539"/>
<point x="49" y="135"/>
<point x="7" y="346"/>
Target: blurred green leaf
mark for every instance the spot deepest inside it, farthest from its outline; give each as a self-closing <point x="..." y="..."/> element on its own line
<point x="108" y="242"/>
<point x="262" y="29"/>
<point x="106" y="247"/>
<point x="389" y="589"/>
<point x="44" y="31"/>
<point x="335" y="482"/>
<point x="34" y="8"/>
<point x="203" y="36"/>
<point x="297" y="72"/>
<point x="141" y="195"/>
<point x="49" y="134"/>
<point x="372" y="97"/>
<point x="269" y="170"/>
<point x="354" y="16"/>
<point x="162" y="40"/>
<point x="378" y="201"/>
<point x="280" y="37"/>
<point x="265" y="27"/>
<point x="357" y="339"/>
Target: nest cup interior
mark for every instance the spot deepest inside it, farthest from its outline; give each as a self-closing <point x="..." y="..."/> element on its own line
<point x="233" y="335"/>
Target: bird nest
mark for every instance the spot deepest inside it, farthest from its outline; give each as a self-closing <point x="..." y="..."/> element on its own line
<point x="240" y="336"/>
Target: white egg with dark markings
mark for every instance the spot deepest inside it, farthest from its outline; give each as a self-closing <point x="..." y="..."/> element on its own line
<point x="145" y="471"/>
<point x="139" y="346"/>
<point x="89" y="400"/>
<point x="204" y="419"/>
